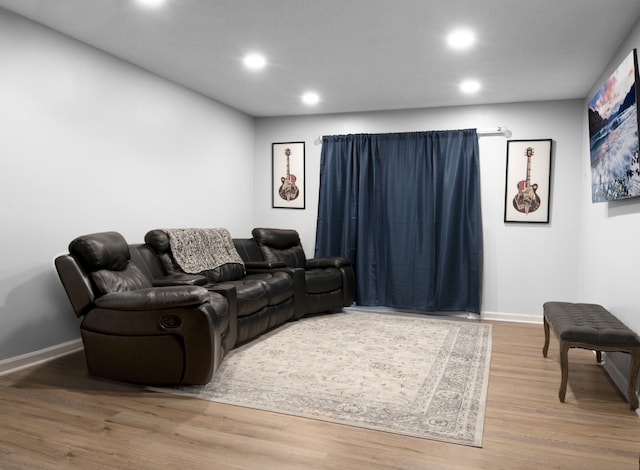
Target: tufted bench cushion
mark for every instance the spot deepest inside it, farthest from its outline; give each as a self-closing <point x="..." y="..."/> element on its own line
<point x="590" y="326"/>
<point x="589" y="323"/>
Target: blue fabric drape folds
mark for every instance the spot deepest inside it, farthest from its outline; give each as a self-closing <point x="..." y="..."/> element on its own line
<point x="405" y="207"/>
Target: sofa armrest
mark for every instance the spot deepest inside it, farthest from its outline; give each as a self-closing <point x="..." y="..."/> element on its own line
<point x="328" y="261"/>
<point x="154" y="298"/>
<point x="196" y="331"/>
<point x="258" y="266"/>
<point x="229" y="292"/>
<point x="180" y="279"/>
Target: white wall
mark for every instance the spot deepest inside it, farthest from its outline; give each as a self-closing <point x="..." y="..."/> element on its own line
<point x="90" y="143"/>
<point x="525" y="264"/>
<point x="609" y="254"/>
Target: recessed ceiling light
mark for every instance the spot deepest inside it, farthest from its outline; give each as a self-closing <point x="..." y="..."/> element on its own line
<point x="310" y="98"/>
<point x="470" y="86"/>
<point x="151" y="3"/>
<point x="461" y="39"/>
<point x="255" y="61"/>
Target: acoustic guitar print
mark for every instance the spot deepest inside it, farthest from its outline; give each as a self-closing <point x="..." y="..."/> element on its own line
<point x="527" y="200"/>
<point x="288" y="190"/>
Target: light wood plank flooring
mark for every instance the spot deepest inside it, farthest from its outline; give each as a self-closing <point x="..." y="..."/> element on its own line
<point x="55" y="416"/>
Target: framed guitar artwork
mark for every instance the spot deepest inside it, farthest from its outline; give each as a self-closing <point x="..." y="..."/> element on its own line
<point x="528" y="181"/>
<point x="287" y="174"/>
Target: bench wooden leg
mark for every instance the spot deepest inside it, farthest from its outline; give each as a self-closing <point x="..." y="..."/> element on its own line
<point x="545" y="348"/>
<point x="564" y="367"/>
<point x="633" y="379"/>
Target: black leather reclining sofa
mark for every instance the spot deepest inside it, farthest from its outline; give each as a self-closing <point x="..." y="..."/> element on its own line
<point x="145" y="320"/>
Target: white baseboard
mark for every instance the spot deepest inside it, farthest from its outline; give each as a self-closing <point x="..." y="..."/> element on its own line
<point x="619" y="377"/>
<point x="511" y="317"/>
<point x="621" y="381"/>
<point x="494" y="316"/>
<point x="14" y="364"/>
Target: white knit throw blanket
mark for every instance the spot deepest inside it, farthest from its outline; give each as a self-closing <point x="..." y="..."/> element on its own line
<point x="200" y="249"/>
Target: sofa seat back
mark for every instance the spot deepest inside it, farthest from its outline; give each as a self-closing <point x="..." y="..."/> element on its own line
<point x="98" y="264"/>
<point x="280" y="245"/>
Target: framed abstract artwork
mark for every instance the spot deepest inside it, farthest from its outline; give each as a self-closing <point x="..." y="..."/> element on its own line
<point x="528" y="181"/>
<point x="287" y="175"/>
<point x="613" y="135"/>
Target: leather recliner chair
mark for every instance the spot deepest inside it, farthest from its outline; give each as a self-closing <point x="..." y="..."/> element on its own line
<point x="329" y="281"/>
<point x="132" y="331"/>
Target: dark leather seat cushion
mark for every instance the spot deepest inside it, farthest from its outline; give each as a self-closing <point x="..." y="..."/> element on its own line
<point x="253" y="295"/>
<point x="323" y="280"/>
<point x="279" y="284"/>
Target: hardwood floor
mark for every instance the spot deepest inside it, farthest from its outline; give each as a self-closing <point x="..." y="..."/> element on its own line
<point x="55" y="416"/>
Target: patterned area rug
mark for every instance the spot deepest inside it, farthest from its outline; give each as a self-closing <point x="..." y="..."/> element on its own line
<point x="405" y="374"/>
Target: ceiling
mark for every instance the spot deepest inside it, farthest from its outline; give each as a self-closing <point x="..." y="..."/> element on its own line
<point x="358" y="55"/>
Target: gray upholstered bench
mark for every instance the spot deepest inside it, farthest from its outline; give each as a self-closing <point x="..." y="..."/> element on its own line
<point x="590" y="326"/>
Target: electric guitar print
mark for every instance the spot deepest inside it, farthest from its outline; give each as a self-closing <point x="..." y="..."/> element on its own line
<point x="527" y="200"/>
<point x="288" y="190"/>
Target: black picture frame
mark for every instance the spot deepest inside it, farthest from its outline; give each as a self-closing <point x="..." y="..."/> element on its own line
<point x="528" y="181"/>
<point x="287" y="175"/>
